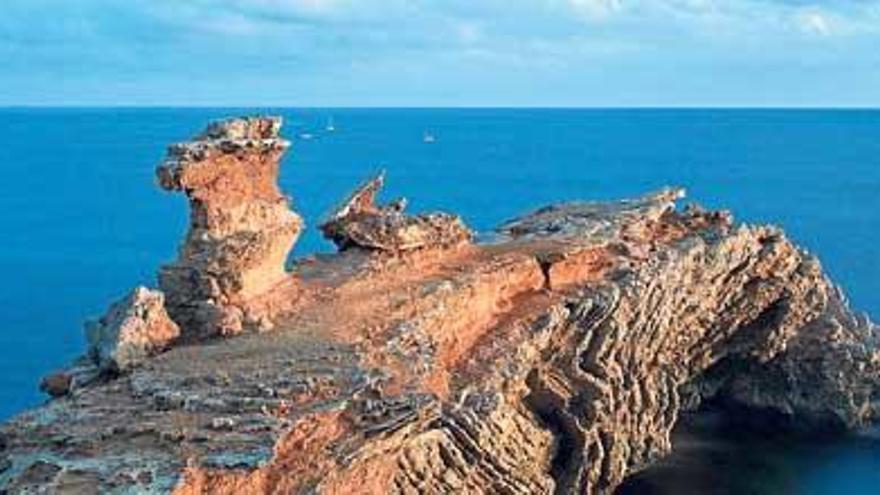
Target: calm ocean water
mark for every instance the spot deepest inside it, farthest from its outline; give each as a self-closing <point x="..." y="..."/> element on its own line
<point x="83" y="221"/>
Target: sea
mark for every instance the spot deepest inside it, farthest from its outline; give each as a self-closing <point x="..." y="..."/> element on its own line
<point x="83" y="220"/>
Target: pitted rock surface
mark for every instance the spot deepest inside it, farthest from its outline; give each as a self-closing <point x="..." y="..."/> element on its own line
<point x="133" y="329"/>
<point x="360" y="223"/>
<point x="241" y="227"/>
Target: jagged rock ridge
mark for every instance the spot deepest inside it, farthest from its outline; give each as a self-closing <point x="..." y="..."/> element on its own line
<point x="360" y="223"/>
<point x="555" y="359"/>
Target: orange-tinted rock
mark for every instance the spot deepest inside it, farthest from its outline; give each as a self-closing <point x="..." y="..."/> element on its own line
<point x="241" y="227"/>
<point x="360" y="223"/>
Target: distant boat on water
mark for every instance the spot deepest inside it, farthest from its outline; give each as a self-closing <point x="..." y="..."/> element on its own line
<point x="427" y="137"/>
<point x="306" y="136"/>
<point x="331" y="127"/>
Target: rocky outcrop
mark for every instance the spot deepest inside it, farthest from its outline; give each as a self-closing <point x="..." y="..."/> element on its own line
<point x="826" y="375"/>
<point x="241" y="228"/>
<point x="79" y="374"/>
<point x="555" y="359"/>
<point x="134" y="329"/>
<point x="360" y="223"/>
<point x="57" y="384"/>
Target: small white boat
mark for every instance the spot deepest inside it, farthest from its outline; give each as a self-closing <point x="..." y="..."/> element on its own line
<point x="427" y="137"/>
<point x="331" y="127"/>
<point x="306" y="136"/>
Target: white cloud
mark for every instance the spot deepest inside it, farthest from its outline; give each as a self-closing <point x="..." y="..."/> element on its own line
<point x="508" y="41"/>
<point x="814" y="22"/>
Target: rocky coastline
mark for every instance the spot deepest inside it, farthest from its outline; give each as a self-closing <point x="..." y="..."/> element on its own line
<point x="555" y="358"/>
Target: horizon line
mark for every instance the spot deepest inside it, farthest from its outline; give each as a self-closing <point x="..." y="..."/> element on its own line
<point x="78" y="106"/>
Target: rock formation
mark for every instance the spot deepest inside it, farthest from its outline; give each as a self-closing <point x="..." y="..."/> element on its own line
<point x="360" y="223"/>
<point x="555" y="359"/>
<point x="241" y="228"/>
<point x="133" y="329"/>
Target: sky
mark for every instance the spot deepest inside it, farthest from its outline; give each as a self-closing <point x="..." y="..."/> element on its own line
<point x="593" y="53"/>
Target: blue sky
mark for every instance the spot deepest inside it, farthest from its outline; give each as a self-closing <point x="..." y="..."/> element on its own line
<point x="440" y="53"/>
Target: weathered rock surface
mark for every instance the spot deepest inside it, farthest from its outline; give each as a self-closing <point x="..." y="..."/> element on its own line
<point x="241" y="228"/>
<point x="133" y="329"/>
<point x="360" y="223"/>
<point x="82" y="372"/>
<point x="57" y="384"/>
<point x="555" y="359"/>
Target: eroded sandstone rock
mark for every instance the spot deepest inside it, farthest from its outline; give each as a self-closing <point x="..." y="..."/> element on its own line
<point x="132" y="330"/>
<point x="825" y="374"/>
<point x="555" y="359"/>
<point x="360" y="223"/>
<point x="241" y="227"/>
<point x="57" y="384"/>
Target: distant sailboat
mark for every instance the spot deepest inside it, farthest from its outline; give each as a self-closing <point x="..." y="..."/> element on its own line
<point x="331" y="127"/>
<point x="427" y="137"/>
<point x="305" y="136"/>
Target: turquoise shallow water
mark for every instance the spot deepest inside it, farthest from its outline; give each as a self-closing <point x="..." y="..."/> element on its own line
<point x="83" y="221"/>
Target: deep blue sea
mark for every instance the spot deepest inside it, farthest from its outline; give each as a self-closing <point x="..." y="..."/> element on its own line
<point x="83" y="221"/>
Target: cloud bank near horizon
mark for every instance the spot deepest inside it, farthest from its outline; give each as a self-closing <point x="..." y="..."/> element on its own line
<point x="441" y="52"/>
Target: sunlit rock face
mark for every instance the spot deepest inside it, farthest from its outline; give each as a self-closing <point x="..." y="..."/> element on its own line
<point x="360" y="223"/>
<point x="241" y="228"/>
<point x="133" y="329"/>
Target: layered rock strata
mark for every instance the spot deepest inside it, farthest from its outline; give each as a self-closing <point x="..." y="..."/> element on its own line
<point x="555" y="359"/>
<point x="360" y="223"/>
<point x="241" y="228"/>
